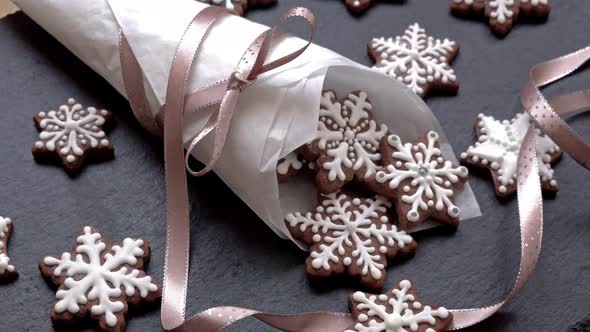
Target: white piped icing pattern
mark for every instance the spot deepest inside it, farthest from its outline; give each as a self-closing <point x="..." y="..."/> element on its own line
<point x="396" y="311"/>
<point x="101" y="276"/>
<point x="415" y="59"/>
<point x="71" y="131"/>
<point x="348" y="135"/>
<point x="350" y="231"/>
<point x="498" y="147"/>
<point x="291" y="161"/>
<point x="5" y="266"/>
<point x="431" y="177"/>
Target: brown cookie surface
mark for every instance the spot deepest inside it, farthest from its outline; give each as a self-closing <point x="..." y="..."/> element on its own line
<point x="350" y="235"/>
<point x="420" y="181"/>
<point x="417" y="60"/>
<point x="398" y="310"/>
<point x="497" y="149"/>
<point x="71" y="134"/>
<point x="501" y="14"/>
<point x="347" y="143"/>
<point x="98" y="280"/>
<point x="7" y="270"/>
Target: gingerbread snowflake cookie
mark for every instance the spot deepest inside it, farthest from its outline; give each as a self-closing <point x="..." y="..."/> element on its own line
<point x="99" y="280"/>
<point x="350" y="235"/>
<point x="347" y="143"/>
<point x="420" y="180"/>
<point x="7" y="270"/>
<point x="398" y="310"/>
<point x="73" y="134"/>
<point x="239" y="6"/>
<point x="502" y="14"/>
<point x="417" y="60"/>
<point x="498" y="147"/>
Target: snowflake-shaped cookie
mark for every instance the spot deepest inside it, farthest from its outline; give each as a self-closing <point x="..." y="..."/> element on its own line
<point x="502" y="14"/>
<point x="352" y="235"/>
<point x="99" y="279"/>
<point x="420" y="180"/>
<point x="398" y="310"/>
<point x="347" y="143"/>
<point x="498" y="148"/>
<point x="239" y="6"/>
<point x="7" y="270"/>
<point x="72" y="134"/>
<point x="417" y="60"/>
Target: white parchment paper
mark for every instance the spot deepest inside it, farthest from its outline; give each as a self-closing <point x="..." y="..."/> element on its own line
<point x="273" y="117"/>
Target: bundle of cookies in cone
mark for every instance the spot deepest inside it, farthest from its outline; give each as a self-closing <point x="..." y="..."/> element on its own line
<point x="362" y="171"/>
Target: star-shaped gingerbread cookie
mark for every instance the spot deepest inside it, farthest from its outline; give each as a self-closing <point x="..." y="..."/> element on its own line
<point x="501" y="14"/>
<point x="98" y="280"/>
<point x="497" y="149"/>
<point x="347" y="143"/>
<point x="398" y="310"/>
<point x="71" y="134"/>
<point x="350" y="235"/>
<point x="7" y="270"/>
<point x="420" y="180"/>
<point x="417" y="60"/>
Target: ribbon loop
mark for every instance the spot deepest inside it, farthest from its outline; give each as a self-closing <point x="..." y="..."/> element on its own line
<point x="265" y="45"/>
<point x="543" y="112"/>
<point x="251" y="65"/>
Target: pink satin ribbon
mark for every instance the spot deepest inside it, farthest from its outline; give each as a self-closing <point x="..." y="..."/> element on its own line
<point x="224" y="94"/>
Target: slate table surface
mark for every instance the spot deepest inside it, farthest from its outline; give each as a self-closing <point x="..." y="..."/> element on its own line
<point x="236" y="259"/>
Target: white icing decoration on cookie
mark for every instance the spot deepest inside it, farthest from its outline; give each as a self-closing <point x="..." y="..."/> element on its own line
<point x="349" y="226"/>
<point x="291" y="161"/>
<point x="401" y="315"/>
<point x="70" y="128"/>
<point x="348" y="135"/>
<point x="100" y="276"/>
<point x="5" y="265"/>
<point x="414" y="58"/>
<point x="500" y="142"/>
<point x="501" y="10"/>
<point x="428" y="176"/>
<point x="536" y="2"/>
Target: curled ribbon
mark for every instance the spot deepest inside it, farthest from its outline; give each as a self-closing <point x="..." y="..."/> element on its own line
<point x="224" y="95"/>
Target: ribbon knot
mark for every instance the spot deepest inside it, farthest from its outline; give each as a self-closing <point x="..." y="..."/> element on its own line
<point x="238" y="82"/>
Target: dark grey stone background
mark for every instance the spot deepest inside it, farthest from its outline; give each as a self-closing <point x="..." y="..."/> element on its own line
<point x="236" y="259"/>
